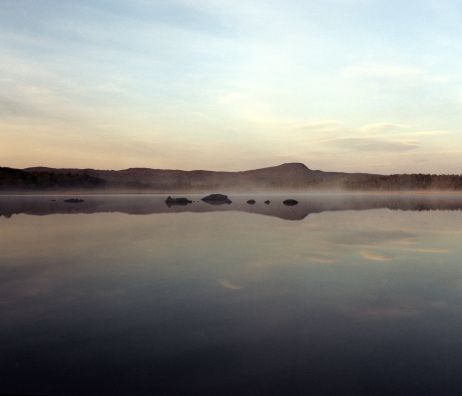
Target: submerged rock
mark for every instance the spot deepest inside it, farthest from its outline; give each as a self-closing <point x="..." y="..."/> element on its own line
<point x="216" y="199"/>
<point x="177" y="201"/>
<point x="74" y="200"/>
<point x="251" y="202"/>
<point x="290" y="202"/>
<point x="267" y="202"/>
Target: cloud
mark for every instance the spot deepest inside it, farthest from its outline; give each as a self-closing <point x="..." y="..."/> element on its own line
<point x="426" y="250"/>
<point x="228" y="285"/>
<point x="373" y="144"/>
<point x="393" y="72"/>
<point x="321" y="125"/>
<point x="381" y="127"/>
<point x="383" y="71"/>
<point x="384" y="129"/>
<point x="373" y="256"/>
<point x="13" y="108"/>
<point x="429" y="133"/>
<point x="322" y="260"/>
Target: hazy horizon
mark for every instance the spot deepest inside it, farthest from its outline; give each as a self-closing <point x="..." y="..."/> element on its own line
<point x="339" y="85"/>
<point x="208" y="169"/>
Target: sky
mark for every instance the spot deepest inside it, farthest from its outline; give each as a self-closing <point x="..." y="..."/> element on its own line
<point x="347" y="85"/>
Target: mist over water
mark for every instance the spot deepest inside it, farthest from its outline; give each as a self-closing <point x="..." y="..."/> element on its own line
<point x="340" y="294"/>
<point x="271" y="204"/>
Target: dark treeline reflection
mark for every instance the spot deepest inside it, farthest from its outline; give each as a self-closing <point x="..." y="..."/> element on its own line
<point x="150" y="204"/>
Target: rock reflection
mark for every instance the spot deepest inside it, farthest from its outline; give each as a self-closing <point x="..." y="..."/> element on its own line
<point x="151" y="204"/>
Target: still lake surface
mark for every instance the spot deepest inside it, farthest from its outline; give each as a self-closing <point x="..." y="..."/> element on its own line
<point x="339" y="295"/>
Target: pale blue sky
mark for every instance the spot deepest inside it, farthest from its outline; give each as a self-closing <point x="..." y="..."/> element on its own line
<point x="355" y="85"/>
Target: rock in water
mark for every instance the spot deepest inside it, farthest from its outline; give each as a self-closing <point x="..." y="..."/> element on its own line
<point x="251" y="201"/>
<point x="177" y="201"/>
<point x="73" y="200"/>
<point x="290" y="202"/>
<point x="216" y="199"/>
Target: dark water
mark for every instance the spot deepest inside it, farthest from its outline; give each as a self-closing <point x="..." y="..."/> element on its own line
<point x="339" y="295"/>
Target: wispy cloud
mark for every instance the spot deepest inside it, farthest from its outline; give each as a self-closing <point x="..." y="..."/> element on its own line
<point x="388" y="129"/>
<point x="229" y="285"/>
<point x="394" y="72"/>
<point x="322" y="260"/>
<point x="381" y="128"/>
<point x="372" y="256"/>
<point x="372" y="144"/>
<point x="426" y="250"/>
<point x="318" y="126"/>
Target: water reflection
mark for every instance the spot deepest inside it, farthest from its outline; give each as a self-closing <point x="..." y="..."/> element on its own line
<point x="150" y="204"/>
<point x="345" y="302"/>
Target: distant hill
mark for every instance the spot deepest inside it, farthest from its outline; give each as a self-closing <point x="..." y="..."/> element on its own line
<point x="287" y="177"/>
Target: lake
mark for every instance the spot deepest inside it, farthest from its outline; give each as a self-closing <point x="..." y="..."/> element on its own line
<point x="339" y="295"/>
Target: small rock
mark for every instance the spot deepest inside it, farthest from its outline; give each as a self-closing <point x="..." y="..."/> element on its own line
<point x="251" y="201"/>
<point x="177" y="201"/>
<point x="267" y="202"/>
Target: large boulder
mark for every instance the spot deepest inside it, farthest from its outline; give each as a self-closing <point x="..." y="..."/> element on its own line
<point x="290" y="202"/>
<point x="217" y="199"/>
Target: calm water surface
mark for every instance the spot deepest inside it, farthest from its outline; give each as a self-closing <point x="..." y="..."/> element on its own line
<point x="340" y="295"/>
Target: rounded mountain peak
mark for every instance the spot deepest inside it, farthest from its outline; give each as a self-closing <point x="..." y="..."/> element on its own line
<point x="293" y="166"/>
